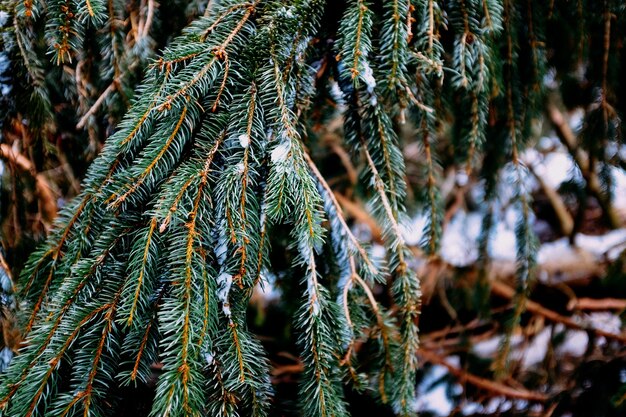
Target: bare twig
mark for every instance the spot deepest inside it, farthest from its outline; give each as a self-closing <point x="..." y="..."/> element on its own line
<point x="568" y="138"/>
<point x="47" y="201"/>
<point x="94" y="108"/>
<point x="144" y="29"/>
<point x="595" y="304"/>
<point x="344" y="157"/>
<point x="503" y="290"/>
<point x="482" y="383"/>
<point x="566" y="222"/>
<point x="355" y="242"/>
<point x="356" y="211"/>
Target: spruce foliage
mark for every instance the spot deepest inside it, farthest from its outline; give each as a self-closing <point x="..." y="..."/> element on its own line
<point x="157" y="258"/>
<point x="216" y="161"/>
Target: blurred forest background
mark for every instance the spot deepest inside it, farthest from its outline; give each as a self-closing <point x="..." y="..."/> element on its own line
<point x="566" y="356"/>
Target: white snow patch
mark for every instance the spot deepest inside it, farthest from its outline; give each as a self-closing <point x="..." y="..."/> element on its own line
<point x="286" y="12"/>
<point x="335" y="92"/>
<point x="224" y="282"/>
<point x="458" y="244"/>
<point x="611" y="150"/>
<point x="603" y="245"/>
<point x="263" y="216"/>
<point x="605" y="321"/>
<point x="244" y="140"/>
<point x="368" y="77"/>
<point x="378" y="251"/>
<point x="281" y="151"/>
<point x="502" y="244"/>
<point x="550" y="80"/>
<point x="495" y="404"/>
<point x="461" y="178"/>
<point x="489" y="347"/>
<point x="575" y="343"/>
<point x="536" y="352"/>
<point x="471" y="408"/>
<point x="6" y="355"/>
<point x="4" y="17"/>
<point x="434" y="398"/>
<point x="221" y="249"/>
<point x="548" y="143"/>
<point x="556" y="168"/>
<point x="576" y="119"/>
<point x="619" y="183"/>
<point x="267" y="287"/>
<point x="413" y="231"/>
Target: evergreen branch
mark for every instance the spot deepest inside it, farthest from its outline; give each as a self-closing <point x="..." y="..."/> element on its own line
<point x="53" y="362"/>
<point x="322" y="396"/>
<point x="354" y="241"/>
<point x="355" y="277"/>
<point x="525" y="239"/>
<point x="184" y="375"/>
<point x="67" y="32"/>
<point x="35" y="358"/>
<point x="431" y="242"/>
<point x="55" y="359"/>
<point x="355" y="42"/>
<point x="203" y="175"/>
<point x="115" y="200"/>
<point x="394" y="50"/>
<point x="55" y="252"/>
<point x="250" y="7"/>
<point x="379" y="186"/>
<point x="145" y="259"/>
<point x="86" y="394"/>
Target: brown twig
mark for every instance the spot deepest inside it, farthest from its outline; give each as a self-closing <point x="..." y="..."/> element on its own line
<point x="482" y="383"/>
<point x="356" y="211"/>
<point x="144" y="29"/>
<point x="94" y="108"/>
<point x="331" y="195"/>
<point x="568" y="138"/>
<point x="595" y="304"/>
<point x="344" y="157"/>
<point x="43" y="189"/>
<point x="566" y="222"/>
<point x="503" y="290"/>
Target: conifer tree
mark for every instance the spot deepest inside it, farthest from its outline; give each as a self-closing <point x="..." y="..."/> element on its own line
<point x="219" y="163"/>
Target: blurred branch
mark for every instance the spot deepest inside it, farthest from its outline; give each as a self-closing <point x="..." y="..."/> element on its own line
<point x="566" y="222"/>
<point x="503" y="290"/>
<point x="482" y="383"/>
<point x="47" y="201"/>
<point x="595" y="304"/>
<point x="358" y="213"/>
<point x="144" y="29"/>
<point x="94" y="108"/>
<point x="568" y="138"/>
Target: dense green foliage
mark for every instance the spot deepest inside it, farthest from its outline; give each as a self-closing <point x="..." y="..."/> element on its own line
<point x="217" y="181"/>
